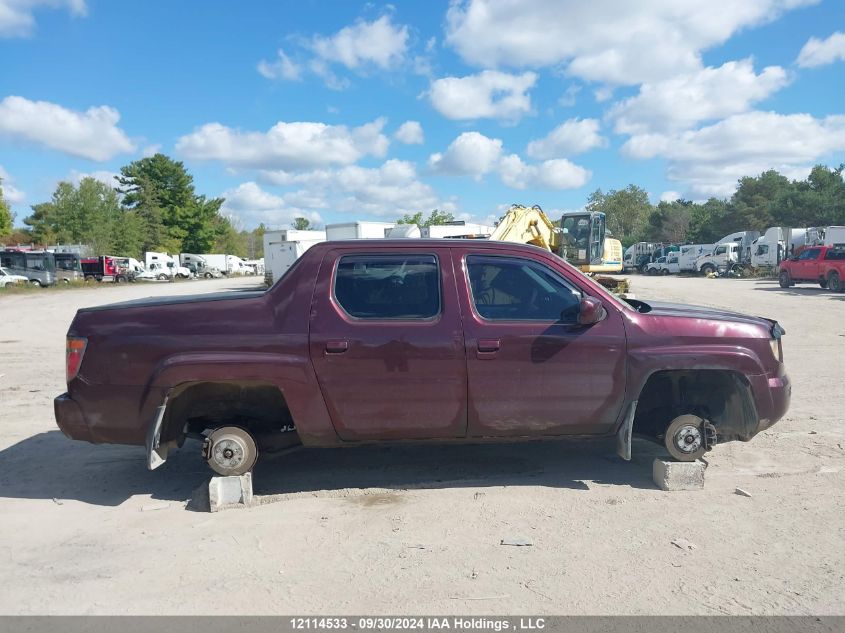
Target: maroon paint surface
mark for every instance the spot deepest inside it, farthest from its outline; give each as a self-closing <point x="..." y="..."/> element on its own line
<point x="452" y="377"/>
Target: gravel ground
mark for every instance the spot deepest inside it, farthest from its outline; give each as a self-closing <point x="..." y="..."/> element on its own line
<point x="87" y="530"/>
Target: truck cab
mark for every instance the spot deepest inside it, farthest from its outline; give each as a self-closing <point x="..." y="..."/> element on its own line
<point x="824" y="265"/>
<point x="724" y="257"/>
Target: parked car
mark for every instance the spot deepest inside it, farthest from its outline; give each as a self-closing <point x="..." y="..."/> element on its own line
<point x="823" y="265"/>
<point x="400" y="340"/>
<point x="8" y="279"/>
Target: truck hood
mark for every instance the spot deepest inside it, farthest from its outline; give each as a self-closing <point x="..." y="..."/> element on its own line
<point x="660" y="308"/>
<point x="168" y="301"/>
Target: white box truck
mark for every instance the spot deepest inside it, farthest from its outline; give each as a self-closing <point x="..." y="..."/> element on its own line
<point x="358" y="230"/>
<point x="283" y="248"/>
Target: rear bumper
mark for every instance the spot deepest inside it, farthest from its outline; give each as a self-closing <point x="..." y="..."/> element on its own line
<point x="70" y="419"/>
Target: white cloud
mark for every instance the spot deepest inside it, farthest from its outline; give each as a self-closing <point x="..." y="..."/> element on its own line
<point x="283" y="67"/>
<point x="605" y="93"/>
<point x="550" y="174"/>
<point x="92" y="134"/>
<point x="670" y="196"/>
<point x="574" y="136"/>
<point x="105" y="177"/>
<point x="151" y="150"/>
<point x="360" y="47"/>
<point x="818" y="52"/>
<point x="410" y="133"/>
<point x="289" y="146"/>
<point x="711" y="93"/>
<point x="490" y="94"/>
<point x="251" y="204"/>
<point x="17" y="19"/>
<point x="617" y="42"/>
<point x="569" y="96"/>
<point x="379" y="43"/>
<point x="11" y="194"/>
<point x="390" y="190"/>
<point x="471" y="154"/>
<point x="711" y="159"/>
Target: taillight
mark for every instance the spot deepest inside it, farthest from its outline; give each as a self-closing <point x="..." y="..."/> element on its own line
<point x="75" y="351"/>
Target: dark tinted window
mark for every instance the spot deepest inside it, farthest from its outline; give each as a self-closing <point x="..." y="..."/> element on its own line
<point x="812" y="253"/>
<point x="837" y="254"/>
<point x="388" y="286"/>
<point x="513" y="289"/>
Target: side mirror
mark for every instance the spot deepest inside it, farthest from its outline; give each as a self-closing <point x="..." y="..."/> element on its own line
<point x="590" y="311"/>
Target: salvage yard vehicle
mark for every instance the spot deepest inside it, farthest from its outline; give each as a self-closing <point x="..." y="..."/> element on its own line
<point x="665" y="265"/>
<point x="39" y="267"/>
<point x="105" y="268"/>
<point x="8" y="279"/>
<point x="68" y="267"/>
<point x="399" y="340"/>
<point x="823" y="265"/>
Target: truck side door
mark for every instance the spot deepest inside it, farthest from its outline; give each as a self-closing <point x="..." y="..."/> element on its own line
<point x="387" y="345"/>
<point x="808" y="265"/>
<point x="532" y="370"/>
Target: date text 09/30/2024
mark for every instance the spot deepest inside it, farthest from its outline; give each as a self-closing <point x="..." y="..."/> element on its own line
<point x="422" y="623"/>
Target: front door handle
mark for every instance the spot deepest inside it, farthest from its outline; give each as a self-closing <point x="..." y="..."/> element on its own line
<point x="489" y="345"/>
<point x="336" y="347"/>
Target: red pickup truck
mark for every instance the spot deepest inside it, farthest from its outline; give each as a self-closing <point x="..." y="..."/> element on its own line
<point x="823" y="265"/>
<point x="396" y="340"/>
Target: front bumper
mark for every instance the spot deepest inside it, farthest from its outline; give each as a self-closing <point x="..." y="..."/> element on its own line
<point x="780" y="389"/>
<point x="70" y="419"/>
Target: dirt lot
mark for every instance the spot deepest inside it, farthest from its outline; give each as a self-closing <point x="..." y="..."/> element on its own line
<point x="86" y="529"/>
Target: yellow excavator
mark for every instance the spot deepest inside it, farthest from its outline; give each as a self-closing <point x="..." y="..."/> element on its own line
<point x="581" y="239"/>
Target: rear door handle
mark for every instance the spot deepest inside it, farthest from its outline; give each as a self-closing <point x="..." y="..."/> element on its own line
<point x="489" y="345"/>
<point x="336" y="347"/>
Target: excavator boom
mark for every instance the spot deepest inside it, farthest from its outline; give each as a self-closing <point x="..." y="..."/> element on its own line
<point x="528" y="225"/>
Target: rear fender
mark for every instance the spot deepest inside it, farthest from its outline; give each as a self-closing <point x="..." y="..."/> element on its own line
<point x="293" y="375"/>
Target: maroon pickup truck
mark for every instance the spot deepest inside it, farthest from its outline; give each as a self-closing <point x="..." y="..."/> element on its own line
<point x="432" y="340"/>
<point x="823" y="265"/>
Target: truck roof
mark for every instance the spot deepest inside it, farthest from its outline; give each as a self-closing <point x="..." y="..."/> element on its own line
<point x="413" y="242"/>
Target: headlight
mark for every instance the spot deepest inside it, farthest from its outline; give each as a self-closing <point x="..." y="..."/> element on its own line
<point x="777" y="352"/>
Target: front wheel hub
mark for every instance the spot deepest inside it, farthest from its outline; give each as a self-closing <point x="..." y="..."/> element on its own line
<point x="688" y="437"/>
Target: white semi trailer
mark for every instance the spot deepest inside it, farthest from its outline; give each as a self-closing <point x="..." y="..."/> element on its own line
<point x="358" y="230"/>
<point x="283" y="248"/>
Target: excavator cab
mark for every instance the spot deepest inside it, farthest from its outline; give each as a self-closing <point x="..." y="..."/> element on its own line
<point x="583" y="235"/>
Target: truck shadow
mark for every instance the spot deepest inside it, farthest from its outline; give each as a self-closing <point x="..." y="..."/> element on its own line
<point x="49" y="466"/>
<point x="800" y="291"/>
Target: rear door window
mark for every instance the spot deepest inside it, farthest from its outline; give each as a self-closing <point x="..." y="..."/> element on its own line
<point x="377" y="287"/>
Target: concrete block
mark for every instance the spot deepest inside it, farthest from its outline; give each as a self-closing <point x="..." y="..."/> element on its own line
<point x="229" y="492"/>
<point x="678" y="475"/>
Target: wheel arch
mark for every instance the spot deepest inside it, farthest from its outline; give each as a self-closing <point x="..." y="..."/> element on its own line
<point x="290" y="375"/>
<point x="723" y="396"/>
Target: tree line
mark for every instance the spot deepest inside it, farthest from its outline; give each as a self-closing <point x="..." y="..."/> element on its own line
<point x="758" y="203"/>
<point x="154" y="206"/>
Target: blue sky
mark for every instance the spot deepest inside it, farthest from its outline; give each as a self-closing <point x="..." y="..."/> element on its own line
<point x="341" y="110"/>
